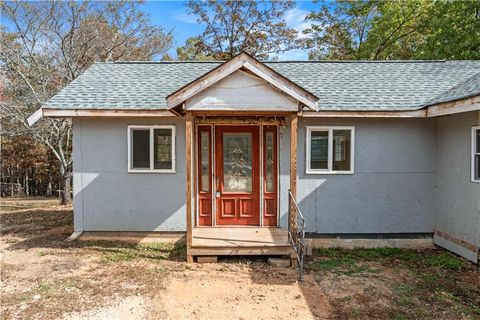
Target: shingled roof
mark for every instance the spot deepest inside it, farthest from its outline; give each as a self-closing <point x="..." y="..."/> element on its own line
<point x="340" y="85"/>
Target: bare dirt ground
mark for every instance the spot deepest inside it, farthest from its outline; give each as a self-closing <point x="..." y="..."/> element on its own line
<point x="44" y="277"/>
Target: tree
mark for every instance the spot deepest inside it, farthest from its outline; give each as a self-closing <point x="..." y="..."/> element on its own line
<point x="194" y="49"/>
<point x="406" y="29"/>
<point x="46" y="45"/>
<point x="233" y="26"/>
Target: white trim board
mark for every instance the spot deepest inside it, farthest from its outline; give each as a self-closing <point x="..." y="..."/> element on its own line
<point x="474" y="154"/>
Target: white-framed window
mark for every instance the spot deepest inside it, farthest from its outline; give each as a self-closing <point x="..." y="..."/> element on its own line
<point x="151" y="148"/>
<point x="476" y="154"/>
<point x="330" y="150"/>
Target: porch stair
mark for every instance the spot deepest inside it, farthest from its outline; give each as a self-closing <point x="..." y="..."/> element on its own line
<point x="228" y="241"/>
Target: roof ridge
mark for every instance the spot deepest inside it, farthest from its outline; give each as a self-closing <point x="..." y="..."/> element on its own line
<point x="282" y="61"/>
<point x="160" y="62"/>
<point x="292" y="61"/>
<point x="354" y="61"/>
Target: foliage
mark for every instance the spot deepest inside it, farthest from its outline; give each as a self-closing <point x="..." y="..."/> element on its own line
<point x="368" y="254"/>
<point x="30" y="164"/>
<point x="257" y="27"/>
<point x="47" y="44"/>
<point x="405" y="29"/>
<point x="445" y="261"/>
<point x="194" y="49"/>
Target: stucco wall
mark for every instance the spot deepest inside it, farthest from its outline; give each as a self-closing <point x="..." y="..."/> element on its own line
<point x="458" y="198"/>
<point x="392" y="188"/>
<point x="106" y="197"/>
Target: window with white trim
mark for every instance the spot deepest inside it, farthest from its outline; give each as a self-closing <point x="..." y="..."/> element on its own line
<point x="330" y="150"/>
<point x="151" y="148"/>
<point x="476" y="154"/>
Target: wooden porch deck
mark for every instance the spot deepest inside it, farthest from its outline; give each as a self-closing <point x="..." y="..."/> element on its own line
<point x="219" y="241"/>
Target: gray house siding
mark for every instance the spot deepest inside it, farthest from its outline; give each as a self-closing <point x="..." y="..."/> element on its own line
<point x="107" y="197"/>
<point x="391" y="191"/>
<point x="392" y="188"/>
<point x="458" y="198"/>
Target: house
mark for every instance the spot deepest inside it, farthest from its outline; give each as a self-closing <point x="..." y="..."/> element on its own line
<point x="368" y="149"/>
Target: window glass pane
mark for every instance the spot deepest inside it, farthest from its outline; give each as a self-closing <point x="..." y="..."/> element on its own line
<point x="162" y="146"/>
<point x="478" y="141"/>
<point x="269" y="161"/>
<point x="205" y="161"/>
<point x="341" y="150"/>
<point x="319" y="150"/>
<point x="477" y="167"/>
<point x="140" y="149"/>
<point x="237" y="162"/>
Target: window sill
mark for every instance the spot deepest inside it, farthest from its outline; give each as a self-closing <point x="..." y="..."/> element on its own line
<point x="475" y="181"/>
<point x="330" y="172"/>
<point x="150" y="171"/>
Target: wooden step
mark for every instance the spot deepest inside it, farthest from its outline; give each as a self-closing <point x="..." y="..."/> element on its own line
<point x="241" y="251"/>
<point x="239" y="241"/>
<point x="239" y="237"/>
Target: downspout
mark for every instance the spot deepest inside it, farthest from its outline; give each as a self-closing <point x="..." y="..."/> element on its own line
<point x="34" y="117"/>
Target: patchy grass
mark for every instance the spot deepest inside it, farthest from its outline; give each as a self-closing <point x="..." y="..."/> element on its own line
<point x="406" y="283"/>
<point x="445" y="261"/>
<point x="370" y="254"/>
<point x="19" y="204"/>
<point x="118" y="251"/>
<point x="45" y="287"/>
<point x="341" y="266"/>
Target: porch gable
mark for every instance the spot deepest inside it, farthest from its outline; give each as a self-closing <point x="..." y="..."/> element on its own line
<point x="241" y="91"/>
<point x="244" y="62"/>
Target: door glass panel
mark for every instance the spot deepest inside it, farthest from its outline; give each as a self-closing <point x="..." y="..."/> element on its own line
<point x="319" y="150"/>
<point x="269" y="185"/>
<point x="237" y="162"/>
<point x="341" y="150"/>
<point x="205" y="161"/>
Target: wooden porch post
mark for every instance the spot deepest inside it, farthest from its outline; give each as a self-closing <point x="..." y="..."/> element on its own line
<point x="293" y="169"/>
<point x="188" y="198"/>
<point x="292" y="212"/>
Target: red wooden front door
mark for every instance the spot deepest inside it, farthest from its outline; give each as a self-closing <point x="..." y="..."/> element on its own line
<point x="237" y="172"/>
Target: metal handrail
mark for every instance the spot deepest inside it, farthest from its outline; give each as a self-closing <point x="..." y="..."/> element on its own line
<point x="296" y="237"/>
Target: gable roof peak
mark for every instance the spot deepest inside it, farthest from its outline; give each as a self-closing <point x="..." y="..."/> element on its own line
<point x="243" y="60"/>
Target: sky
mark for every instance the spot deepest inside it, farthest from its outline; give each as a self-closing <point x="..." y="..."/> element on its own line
<point x="172" y="15"/>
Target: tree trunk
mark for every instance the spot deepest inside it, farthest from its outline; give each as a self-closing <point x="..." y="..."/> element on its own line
<point x="27" y="187"/>
<point x="11" y="182"/>
<point x="49" y="188"/>
<point x="49" y="176"/>
<point x="65" y="186"/>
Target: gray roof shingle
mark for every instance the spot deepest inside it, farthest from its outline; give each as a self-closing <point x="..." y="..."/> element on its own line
<point x="340" y="85"/>
<point x="465" y="89"/>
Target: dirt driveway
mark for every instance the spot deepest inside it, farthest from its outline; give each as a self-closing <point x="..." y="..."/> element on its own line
<point x="44" y="277"/>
